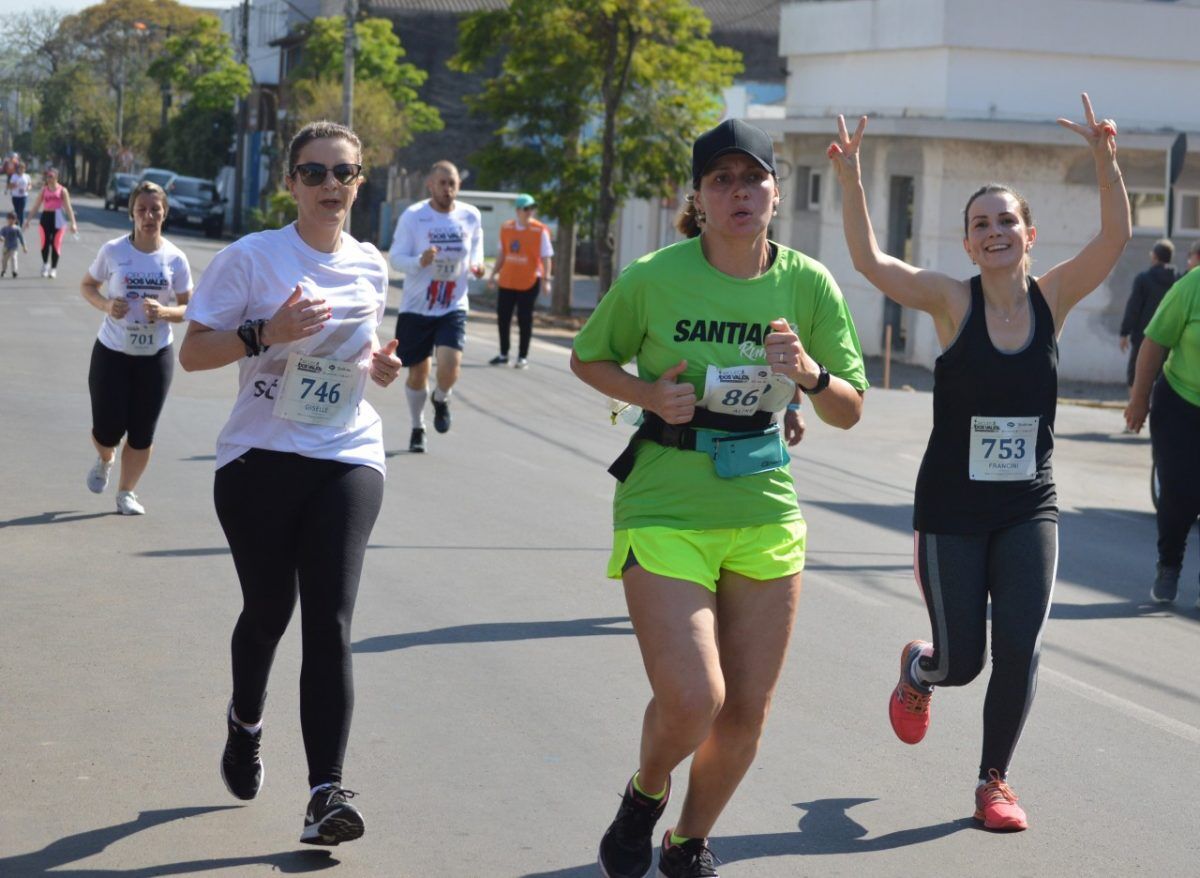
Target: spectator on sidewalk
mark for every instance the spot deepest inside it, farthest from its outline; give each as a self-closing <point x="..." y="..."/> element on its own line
<point x="1149" y="287"/>
<point x="525" y="261"/>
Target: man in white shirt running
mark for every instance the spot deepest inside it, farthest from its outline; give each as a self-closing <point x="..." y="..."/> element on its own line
<point x="438" y="244"/>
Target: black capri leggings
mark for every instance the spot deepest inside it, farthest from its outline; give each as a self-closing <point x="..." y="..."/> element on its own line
<point x="1016" y="566"/>
<point x="1175" y="436"/>
<point x="523" y="301"/>
<point x="128" y="393"/>
<point x="298" y="525"/>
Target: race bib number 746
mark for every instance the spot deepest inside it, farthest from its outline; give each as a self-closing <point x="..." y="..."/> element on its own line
<point x="318" y="391"/>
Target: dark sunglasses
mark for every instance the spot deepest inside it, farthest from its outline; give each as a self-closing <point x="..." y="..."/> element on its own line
<point x="314" y="173"/>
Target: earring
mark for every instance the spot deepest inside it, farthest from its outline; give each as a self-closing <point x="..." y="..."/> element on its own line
<point x="701" y="216"/>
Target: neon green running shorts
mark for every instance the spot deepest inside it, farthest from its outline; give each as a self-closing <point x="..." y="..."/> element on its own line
<point x="767" y="551"/>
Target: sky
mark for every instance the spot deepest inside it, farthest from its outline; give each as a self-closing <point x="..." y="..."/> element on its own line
<point x="7" y="6"/>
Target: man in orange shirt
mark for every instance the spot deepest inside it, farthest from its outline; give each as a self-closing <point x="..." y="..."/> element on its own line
<point x="525" y="260"/>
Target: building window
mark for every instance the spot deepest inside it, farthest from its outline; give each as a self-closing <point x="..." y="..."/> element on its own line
<point x="1149" y="211"/>
<point x="1188" y="218"/>
<point x="814" y="190"/>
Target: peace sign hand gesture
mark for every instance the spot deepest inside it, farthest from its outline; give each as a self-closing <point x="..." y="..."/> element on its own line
<point x="844" y="151"/>
<point x="1101" y="136"/>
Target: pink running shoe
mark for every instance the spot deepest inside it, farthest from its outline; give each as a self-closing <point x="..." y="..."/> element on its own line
<point x="996" y="805"/>
<point x="908" y="706"/>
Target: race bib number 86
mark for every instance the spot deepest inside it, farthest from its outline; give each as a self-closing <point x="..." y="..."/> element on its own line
<point x="1003" y="449"/>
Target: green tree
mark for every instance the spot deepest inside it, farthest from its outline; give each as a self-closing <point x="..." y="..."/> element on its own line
<point x="378" y="125"/>
<point x="378" y="71"/>
<point x="631" y="81"/>
<point x="198" y="64"/>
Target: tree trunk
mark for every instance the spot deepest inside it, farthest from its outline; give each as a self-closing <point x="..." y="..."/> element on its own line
<point x="564" y="267"/>
<point x="616" y="77"/>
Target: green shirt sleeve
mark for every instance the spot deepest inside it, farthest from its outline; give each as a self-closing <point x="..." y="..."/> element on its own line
<point x="618" y="325"/>
<point x="833" y="341"/>
<point x="1178" y="305"/>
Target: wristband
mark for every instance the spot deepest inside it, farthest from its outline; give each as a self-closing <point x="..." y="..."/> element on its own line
<point x="793" y="406"/>
<point x="822" y="382"/>
<point x="250" y="333"/>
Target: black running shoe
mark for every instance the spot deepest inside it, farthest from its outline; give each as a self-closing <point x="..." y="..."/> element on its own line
<point x="499" y="360"/>
<point x="1166" y="584"/>
<point x="241" y="767"/>
<point x="627" y="849"/>
<point x="692" y="859"/>
<point x="331" y="819"/>
<point x="416" y="442"/>
<point x="441" y="415"/>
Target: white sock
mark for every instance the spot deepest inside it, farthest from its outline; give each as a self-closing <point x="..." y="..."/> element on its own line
<point x="442" y="395"/>
<point x="416" y="405"/>
<point x="252" y="729"/>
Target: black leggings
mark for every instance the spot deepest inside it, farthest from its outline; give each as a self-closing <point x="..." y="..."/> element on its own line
<point x="1175" y="436"/>
<point x="523" y="301"/>
<point x="51" y="238"/>
<point x="298" y="525"/>
<point x="1016" y="566"/>
<point x="128" y="393"/>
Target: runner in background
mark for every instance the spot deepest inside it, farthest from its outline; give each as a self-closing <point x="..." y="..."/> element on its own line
<point x="438" y="244"/>
<point x="147" y="282"/>
<point x="524" y="267"/>
<point x="13" y="238"/>
<point x="18" y="188"/>
<point x="54" y="202"/>
<point x="300" y="462"/>
<point x="985" y="514"/>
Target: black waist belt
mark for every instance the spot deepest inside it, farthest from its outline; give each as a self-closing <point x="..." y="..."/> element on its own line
<point x="683" y="436"/>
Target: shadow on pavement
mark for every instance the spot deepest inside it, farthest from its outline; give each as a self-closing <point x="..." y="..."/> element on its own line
<point x="1116" y="436"/>
<point x="184" y="553"/>
<point x="62" y="516"/>
<point x="493" y="632"/>
<point x="824" y="829"/>
<point x="93" y="841"/>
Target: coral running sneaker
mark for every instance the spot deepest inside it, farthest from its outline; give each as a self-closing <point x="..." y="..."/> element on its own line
<point x="996" y="805"/>
<point x="908" y="706"/>
<point x="692" y="859"/>
<point x="627" y="849"/>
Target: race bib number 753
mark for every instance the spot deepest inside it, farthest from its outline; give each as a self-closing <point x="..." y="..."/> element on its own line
<point x="1003" y="449"/>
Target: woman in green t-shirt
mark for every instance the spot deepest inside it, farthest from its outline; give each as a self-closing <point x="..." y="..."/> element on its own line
<point x="722" y="325"/>
<point x="1173" y="334"/>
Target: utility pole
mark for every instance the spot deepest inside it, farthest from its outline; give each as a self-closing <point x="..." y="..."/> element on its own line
<point x="243" y="106"/>
<point x="348" y="46"/>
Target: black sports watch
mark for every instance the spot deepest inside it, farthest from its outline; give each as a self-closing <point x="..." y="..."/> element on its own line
<point x="822" y="382"/>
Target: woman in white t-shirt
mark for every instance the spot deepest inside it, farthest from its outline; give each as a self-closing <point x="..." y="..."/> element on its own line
<point x="300" y="463"/>
<point x="148" y="282"/>
<point x="18" y="188"/>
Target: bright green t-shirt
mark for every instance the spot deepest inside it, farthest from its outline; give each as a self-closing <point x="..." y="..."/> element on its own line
<point x="672" y="305"/>
<point x="1176" y="325"/>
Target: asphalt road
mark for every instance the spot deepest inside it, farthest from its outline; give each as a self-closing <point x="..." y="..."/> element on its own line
<point x="499" y="689"/>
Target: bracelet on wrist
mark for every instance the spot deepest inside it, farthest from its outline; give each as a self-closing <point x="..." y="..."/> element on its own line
<point x="1105" y="187"/>
<point x="793" y="406"/>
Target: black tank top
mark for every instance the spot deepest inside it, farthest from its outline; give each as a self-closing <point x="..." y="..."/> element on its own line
<point x="974" y="380"/>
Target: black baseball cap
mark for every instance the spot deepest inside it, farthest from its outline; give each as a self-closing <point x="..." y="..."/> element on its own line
<point x="732" y="135"/>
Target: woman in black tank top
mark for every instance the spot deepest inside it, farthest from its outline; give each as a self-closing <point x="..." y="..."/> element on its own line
<point x="985" y="511"/>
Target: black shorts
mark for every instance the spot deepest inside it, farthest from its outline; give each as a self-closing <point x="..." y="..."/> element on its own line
<point x="128" y="393"/>
<point x="419" y="334"/>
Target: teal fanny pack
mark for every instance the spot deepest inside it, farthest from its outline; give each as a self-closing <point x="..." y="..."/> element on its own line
<point x="743" y="454"/>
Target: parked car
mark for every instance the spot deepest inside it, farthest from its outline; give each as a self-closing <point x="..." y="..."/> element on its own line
<point x="161" y="176"/>
<point x="116" y="194"/>
<point x="194" y="201"/>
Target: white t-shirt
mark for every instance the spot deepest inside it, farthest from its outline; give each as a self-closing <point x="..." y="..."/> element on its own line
<point x="249" y="280"/>
<point x="19" y="185"/>
<point x="441" y="286"/>
<point x="134" y="276"/>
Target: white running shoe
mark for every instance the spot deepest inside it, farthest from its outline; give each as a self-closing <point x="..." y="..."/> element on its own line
<point x="54" y="272"/>
<point x="521" y="363"/>
<point x="45" y="269"/>
<point x="97" y="477"/>
<point x="127" y="504"/>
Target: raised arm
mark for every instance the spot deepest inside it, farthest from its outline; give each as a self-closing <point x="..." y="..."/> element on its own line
<point x="905" y="284"/>
<point x="1068" y="282"/>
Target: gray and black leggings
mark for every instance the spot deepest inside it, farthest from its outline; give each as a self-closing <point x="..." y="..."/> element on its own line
<point x="1175" y="435"/>
<point x="298" y="526"/>
<point x="1016" y="567"/>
